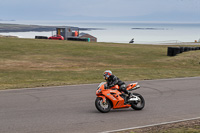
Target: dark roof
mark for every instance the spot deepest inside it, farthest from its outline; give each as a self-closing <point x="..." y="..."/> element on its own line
<point x="82" y="34"/>
<point x="64" y="27"/>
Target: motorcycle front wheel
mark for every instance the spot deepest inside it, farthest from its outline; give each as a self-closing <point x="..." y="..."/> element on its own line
<point x="138" y="105"/>
<point x="102" y="107"/>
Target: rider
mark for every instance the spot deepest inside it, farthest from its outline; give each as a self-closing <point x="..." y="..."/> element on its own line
<point x="113" y="80"/>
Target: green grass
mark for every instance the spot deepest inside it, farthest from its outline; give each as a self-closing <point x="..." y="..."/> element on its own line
<point x="33" y="63"/>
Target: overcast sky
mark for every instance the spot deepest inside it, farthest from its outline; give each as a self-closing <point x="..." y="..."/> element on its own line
<point x="116" y="10"/>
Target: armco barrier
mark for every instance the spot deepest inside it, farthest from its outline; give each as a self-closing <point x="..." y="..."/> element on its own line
<point x="78" y="39"/>
<point x="173" y="51"/>
<point x="41" y="37"/>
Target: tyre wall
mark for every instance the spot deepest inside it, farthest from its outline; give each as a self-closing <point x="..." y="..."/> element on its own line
<point x="173" y="51"/>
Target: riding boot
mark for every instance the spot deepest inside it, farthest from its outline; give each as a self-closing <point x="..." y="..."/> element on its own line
<point x="126" y="100"/>
<point x="128" y="93"/>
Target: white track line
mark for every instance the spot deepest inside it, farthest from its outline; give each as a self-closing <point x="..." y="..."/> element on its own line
<point x="171" y="122"/>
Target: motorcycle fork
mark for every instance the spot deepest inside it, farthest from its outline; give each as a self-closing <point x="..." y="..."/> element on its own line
<point x="104" y="98"/>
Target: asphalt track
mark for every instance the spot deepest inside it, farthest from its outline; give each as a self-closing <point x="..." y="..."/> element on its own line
<point x="68" y="109"/>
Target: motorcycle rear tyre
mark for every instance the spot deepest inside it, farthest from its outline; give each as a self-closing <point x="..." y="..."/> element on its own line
<point x="134" y="105"/>
<point x="100" y="108"/>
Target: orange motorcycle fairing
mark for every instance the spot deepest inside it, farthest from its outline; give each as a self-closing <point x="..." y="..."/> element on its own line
<point x="115" y="98"/>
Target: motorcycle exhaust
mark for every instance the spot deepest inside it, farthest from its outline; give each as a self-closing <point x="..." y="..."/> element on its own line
<point x="134" y="99"/>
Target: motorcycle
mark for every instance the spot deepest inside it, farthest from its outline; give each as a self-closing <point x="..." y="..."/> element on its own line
<point x="112" y="98"/>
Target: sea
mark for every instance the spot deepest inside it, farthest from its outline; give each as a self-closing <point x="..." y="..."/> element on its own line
<point x="123" y="31"/>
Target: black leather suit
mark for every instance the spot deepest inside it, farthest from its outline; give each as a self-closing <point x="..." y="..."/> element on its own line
<point x="113" y="80"/>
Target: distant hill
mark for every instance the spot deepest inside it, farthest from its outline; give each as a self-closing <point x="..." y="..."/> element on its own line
<point x="6" y="20"/>
<point x="25" y="28"/>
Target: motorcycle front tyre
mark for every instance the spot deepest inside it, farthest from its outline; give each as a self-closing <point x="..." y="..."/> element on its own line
<point x="141" y="103"/>
<point x="98" y="104"/>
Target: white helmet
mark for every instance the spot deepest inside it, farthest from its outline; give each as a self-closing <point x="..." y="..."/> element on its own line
<point x="107" y="74"/>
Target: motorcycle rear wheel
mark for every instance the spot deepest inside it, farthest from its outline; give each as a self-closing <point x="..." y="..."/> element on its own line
<point x="140" y="104"/>
<point x="102" y="107"/>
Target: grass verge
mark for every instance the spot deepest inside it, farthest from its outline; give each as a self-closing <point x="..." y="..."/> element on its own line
<point x="33" y="63"/>
<point x="191" y="126"/>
